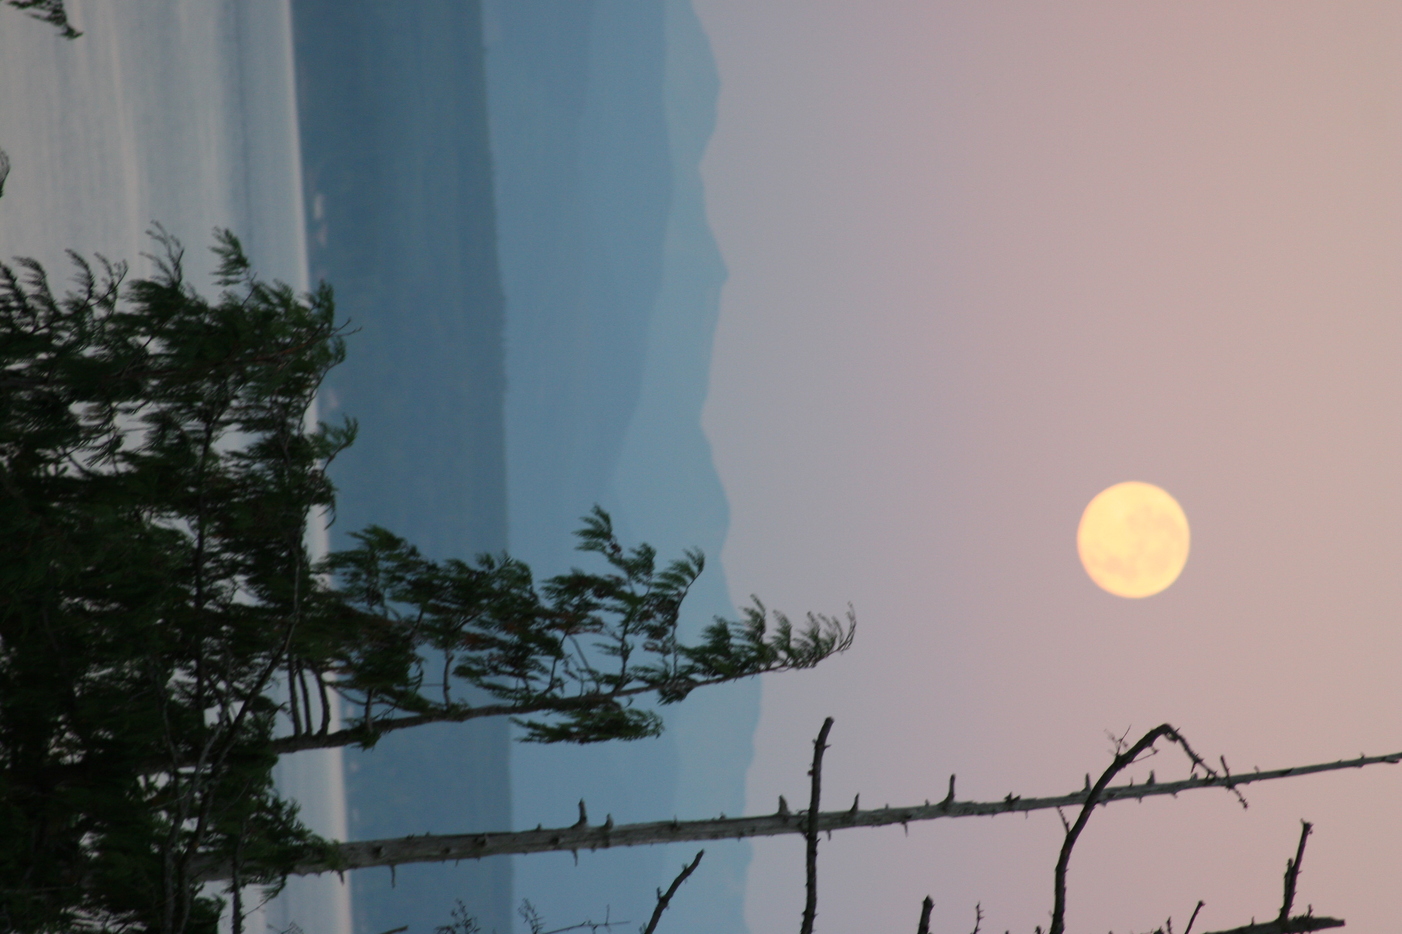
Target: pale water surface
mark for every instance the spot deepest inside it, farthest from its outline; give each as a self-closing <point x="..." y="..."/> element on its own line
<point x="182" y="113"/>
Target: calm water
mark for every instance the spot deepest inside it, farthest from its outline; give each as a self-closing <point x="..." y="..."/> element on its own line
<point x="401" y="220"/>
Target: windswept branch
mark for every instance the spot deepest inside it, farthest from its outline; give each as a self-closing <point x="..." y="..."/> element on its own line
<point x="581" y="706"/>
<point x="51" y="12"/>
<point x="566" y="657"/>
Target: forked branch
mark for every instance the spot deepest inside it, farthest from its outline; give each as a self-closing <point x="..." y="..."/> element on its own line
<point x="1126" y="756"/>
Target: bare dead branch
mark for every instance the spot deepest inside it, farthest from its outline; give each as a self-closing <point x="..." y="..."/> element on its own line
<point x="665" y="898"/>
<point x="927" y="906"/>
<point x="1283" y="923"/>
<point x="810" y="832"/>
<point x="451" y="847"/>
<point x="1189" y="928"/>
<point x="1292" y="874"/>
<point x="1296" y="925"/>
<point x="1126" y="755"/>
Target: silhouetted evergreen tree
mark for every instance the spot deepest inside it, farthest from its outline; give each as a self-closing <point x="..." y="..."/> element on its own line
<point x="165" y="633"/>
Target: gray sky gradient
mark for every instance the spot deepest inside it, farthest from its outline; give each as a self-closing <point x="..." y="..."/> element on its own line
<point x="986" y="260"/>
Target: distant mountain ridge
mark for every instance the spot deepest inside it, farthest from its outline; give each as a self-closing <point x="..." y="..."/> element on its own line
<point x="600" y="113"/>
<point x="519" y="236"/>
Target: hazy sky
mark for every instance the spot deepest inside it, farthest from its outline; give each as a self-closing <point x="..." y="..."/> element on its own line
<point x="986" y="260"/>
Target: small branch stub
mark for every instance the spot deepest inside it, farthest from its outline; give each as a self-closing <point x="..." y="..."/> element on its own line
<point x="927" y="906"/>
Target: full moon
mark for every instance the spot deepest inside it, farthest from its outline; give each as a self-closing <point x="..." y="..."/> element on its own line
<point x="1133" y="539"/>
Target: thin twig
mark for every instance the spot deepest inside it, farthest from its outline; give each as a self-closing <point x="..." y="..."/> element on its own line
<point x="1189" y="928"/>
<point x="664" y="898"/>
<point x="810" y="907"/>
<point x="593" y="926"/>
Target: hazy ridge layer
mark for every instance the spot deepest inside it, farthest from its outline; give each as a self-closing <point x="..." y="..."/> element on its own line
<point x="600" y="113"/>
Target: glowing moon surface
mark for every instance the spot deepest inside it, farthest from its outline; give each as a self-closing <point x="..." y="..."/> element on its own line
<point x="1133" y="539"/>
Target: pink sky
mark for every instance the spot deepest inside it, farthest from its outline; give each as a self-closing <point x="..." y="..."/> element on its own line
<point x="986" y="260"/>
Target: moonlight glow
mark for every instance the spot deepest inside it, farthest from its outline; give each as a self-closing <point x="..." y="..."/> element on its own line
<point x="1133" y="539"/>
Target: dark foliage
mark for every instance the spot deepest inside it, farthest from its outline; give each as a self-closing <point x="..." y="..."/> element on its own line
<point x="49" y="11"/>
<point x="165" y="634"/>
<point x="565" y="658"/>
<point x="148" y="583"/>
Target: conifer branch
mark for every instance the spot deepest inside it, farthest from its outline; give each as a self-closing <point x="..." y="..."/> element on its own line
<point x="362" y="735"/>
<point x="48" y="11"/>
